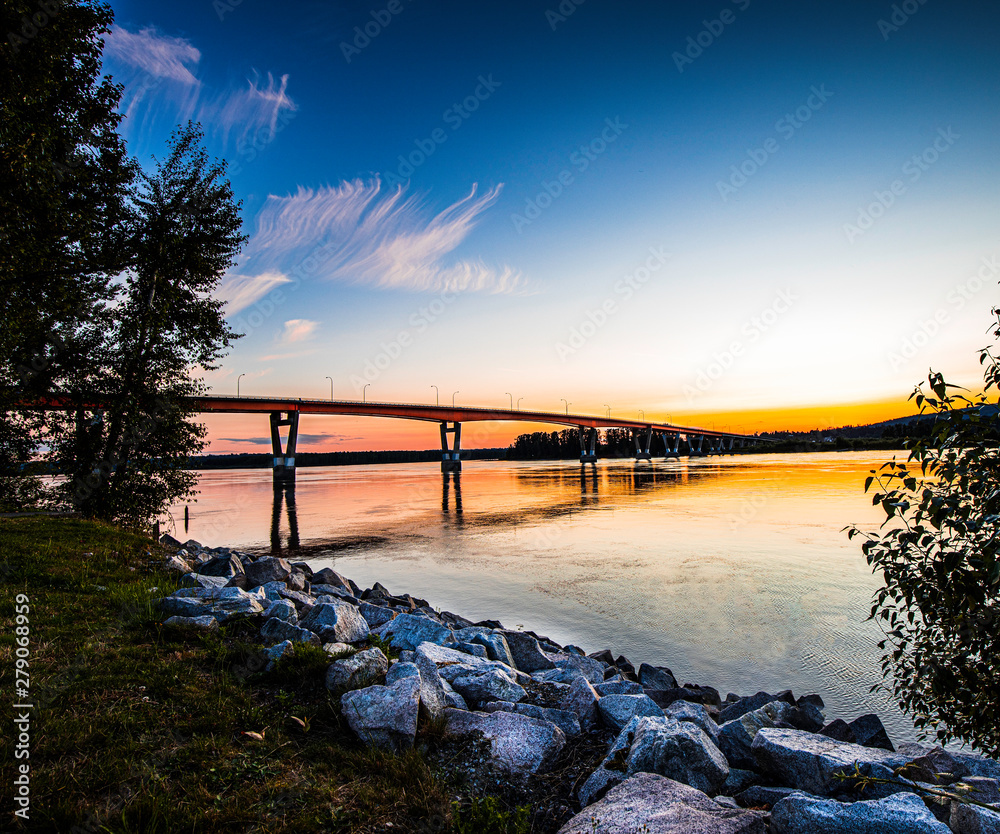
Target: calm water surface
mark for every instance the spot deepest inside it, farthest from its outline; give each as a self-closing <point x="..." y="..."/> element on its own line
<point x="734" y="572"/>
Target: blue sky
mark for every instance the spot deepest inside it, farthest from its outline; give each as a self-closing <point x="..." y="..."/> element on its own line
<point x="729" y="210"/>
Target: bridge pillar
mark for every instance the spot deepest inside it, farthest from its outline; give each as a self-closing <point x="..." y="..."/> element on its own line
<point x="643" y="440"/>
<point x="451" y="459"/>
<point x="694" y="449"/>
<point x="284" y="461"/>
<point x="588" y="445"/>
<point x="671" y="444"/>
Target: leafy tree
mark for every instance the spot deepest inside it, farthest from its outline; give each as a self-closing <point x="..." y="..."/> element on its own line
<point x="129" y="457"/>
<point x="938" y="556"/>
<point x="64" y="179"/>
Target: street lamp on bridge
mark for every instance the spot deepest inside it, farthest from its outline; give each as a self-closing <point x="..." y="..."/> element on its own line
<point x="642" y="414"/>
<point x="437" y="395"/>
<point x="511" y="399"/>
<point x="331" y="387"/>
<point x="519" y="403"/>
<point x="364" y="392"/>
<point x="238" y="383"/>
<point x="567" y="405"/>
<point x="453" y="398"/>
<point x="608" y="407"/>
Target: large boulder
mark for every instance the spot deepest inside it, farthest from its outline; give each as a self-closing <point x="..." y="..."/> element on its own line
<point x="563" y="719"/>
<point x="901" y="813"/>
<point x="656" y="677"/>
<point x="328" y="576"/>
<point x="618" y="686"/>
<point x="618" y="710"/>
<point x="496" y="646"/>
<point x="678" y="750"/>
<point x="361" y="669"/>
<point x="612" y="770"/>
<point x="336" y="622"/>
<point x="375" y="615"/>
<point x="656" y="805"/>
<point x="433" y="697"/>
<point x="811" y="762"/>
<point x="695" y="714"/>
<point x="268" y="569"/>
<point x="736" y="736"/>
<point x="384" y="716"/>
<point x="276" y="630"/>
<point x="869" y="732"/>
<point x="526" y="652"/>
<point x="581" y="698"/>
<point x="519" y="744"/>
<point x="592" y="670"/>
<point x="221" y="566"/>
<point x="205" y="622"/>
<point x="750" y="703"/>
<point x="407" y="631"/>
<point x="452" y="664"/>
<point x="491" y="685"/>
<point x="972" y="819"/>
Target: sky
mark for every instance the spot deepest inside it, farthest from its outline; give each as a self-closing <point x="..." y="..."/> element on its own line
<point x="741" y="213"/>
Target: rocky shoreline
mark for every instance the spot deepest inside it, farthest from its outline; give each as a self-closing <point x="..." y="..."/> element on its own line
<point x="647" y="750"/>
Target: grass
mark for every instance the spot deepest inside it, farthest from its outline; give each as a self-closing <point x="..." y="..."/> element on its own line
<point x="142" y="728"/>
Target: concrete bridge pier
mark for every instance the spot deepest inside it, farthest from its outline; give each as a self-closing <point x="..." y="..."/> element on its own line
<point x="671" y="444"/>
<point x="643" y="440"/>
<point x="451" y="459"/>
<point x="284" y="461"/>
<point x="695" y="445"/>
<point x="588" y="445"/>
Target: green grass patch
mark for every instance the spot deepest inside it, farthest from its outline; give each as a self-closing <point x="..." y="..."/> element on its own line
<point x="142" y="728"/>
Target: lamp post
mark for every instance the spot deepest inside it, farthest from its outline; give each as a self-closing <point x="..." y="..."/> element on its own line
<point x="453" y="398"/>
<point x="642" y="414"/>
<point x="608" y="407"/>
<point x="331" y="387"/>
<point x="511" y="399"/>
<point x="364" y="392"/>
<point x="567" y="405"/>
<point x="437" y="395"/>
<point x="238" y="383"/>
<point x="519" y="403"/>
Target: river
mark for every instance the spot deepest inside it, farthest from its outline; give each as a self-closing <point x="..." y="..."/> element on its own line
<point x="733" y="571"/>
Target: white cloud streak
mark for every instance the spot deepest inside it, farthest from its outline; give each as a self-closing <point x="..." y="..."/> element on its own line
<point x="240" y="291"/>
<point x="362" y="233"/>
<point x="297" y="330"/>
<point x="151" y="52"/>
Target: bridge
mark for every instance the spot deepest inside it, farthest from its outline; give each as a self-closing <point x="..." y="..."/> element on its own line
<point x="284" y="411"/>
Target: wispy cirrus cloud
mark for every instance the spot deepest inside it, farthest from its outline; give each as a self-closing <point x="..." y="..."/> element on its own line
<point x="240" y="291"/>
<point x="360" y="232"/>
<point x="297" y="330"/>
<point x="159" y="72"/>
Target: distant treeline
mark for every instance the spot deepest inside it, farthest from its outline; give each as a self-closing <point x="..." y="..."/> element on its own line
<point x="565" y="445"/>
<point x="264" y="461"/>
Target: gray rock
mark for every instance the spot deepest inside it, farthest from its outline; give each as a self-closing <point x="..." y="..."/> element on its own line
<point x="903" y="813"/>
<point x="618" y="710"/>
<point x="182" y="607"/>
<point x="276" y="631"/>
<point x="361" y="669"/>
<point x="656" y="677"/>
<point x="297" y="581"/>
<point x="695" y="714"/>
<point x="475" y="649"/>
<point x="618" y="687"/>
<point x="196" y="580"/>
<point x="384" y="716"/>
<point x="496" y="646"/>
<point x="592" y="670"/>
<point x="809" y="761"/>
<point x="656" y="805"/>
<point x="276" y="652"/>
<point x="983" y="789"/>
<point x="175" y="564"/>
<point x="341" y="649"/>
<point x="400" y="670"/>
<point x="838" y="730"/>
<point x="490" y="685"/>
<point x="563" y="719"/>
<point x="612" y="770"/>
<point x="736" y="736"/>
<point x="169" y="541"/>
<point x="336" y="622"/>
<point x="283" y="610"/>
<point x="869" y="732"/>
<point x="453" y="664"/>
<point x="748" y="704"/>
<point x="407" y="631"/>
<point x="328" y="576"/>
<point x="581" y="699"/>
<point x="221" y="566"/>
<point x="525" y="651"/>
<point x="759" y="796"/>
<point x="560" y="675"/>
<point x="268" y="569"/>
<point x="433" y="696"/>
<point x="518" y="743"/>
<point x="739" y="780"/>
<point x="303" y="602"/>
<point x="806" y="716"/>
<point x="678" y="750"/>
<point x="205" y="622"/>
<point x="452" y="698"/>
<point x="334" y="591"/>
<point x="971" y="819"/>
<point x="375" y="615"/>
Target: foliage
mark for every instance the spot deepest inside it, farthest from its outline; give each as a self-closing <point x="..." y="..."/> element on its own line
<point x="940" y="605"/>
<point x="485" y="816"/>
<point x="64" y="178"/>
<point x="129" y="457"/>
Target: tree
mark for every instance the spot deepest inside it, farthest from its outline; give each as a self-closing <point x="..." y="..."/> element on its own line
<point x="129" y="457"/>
<point x="940" y="604"/>
<point x="64" y="180"/>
